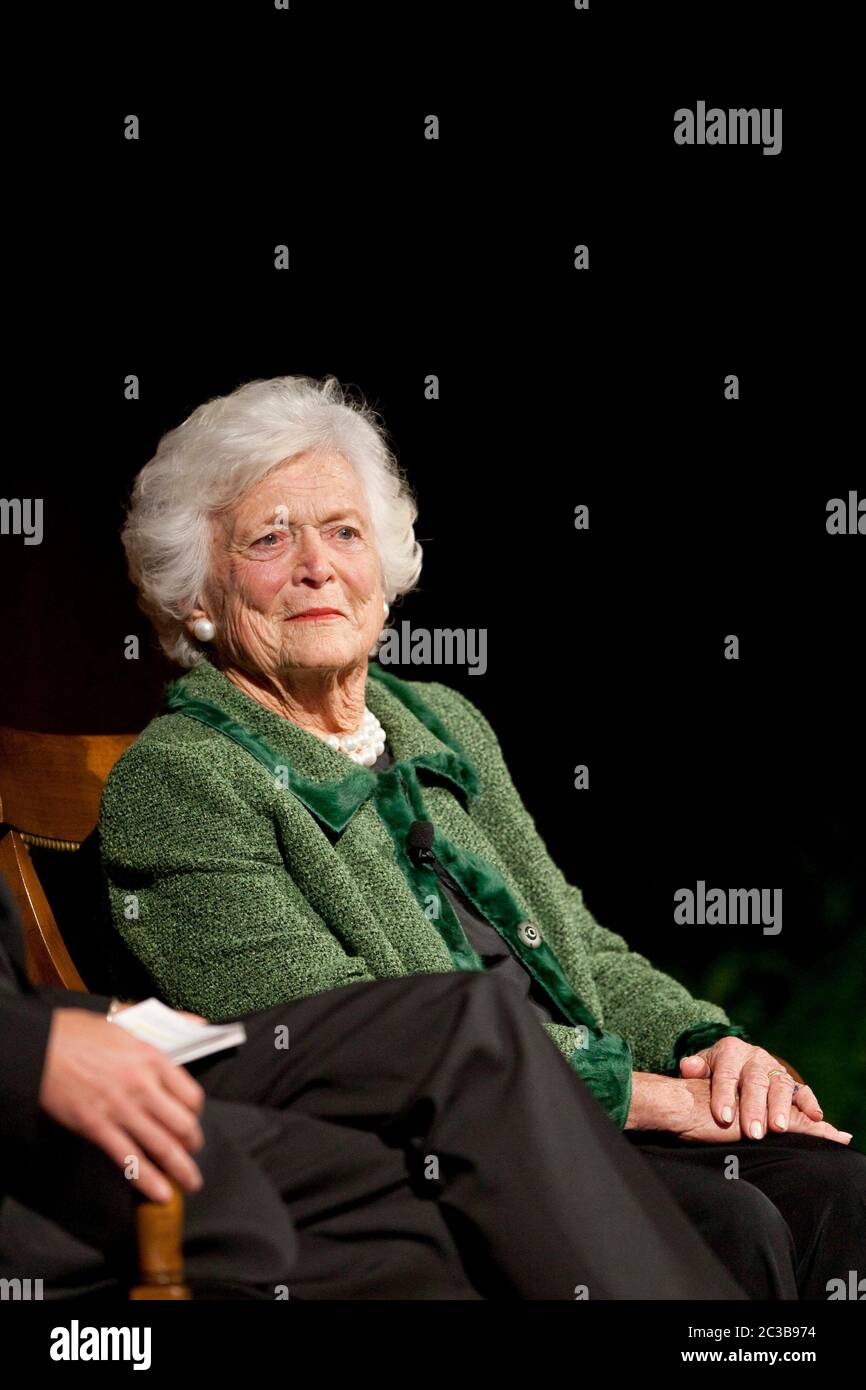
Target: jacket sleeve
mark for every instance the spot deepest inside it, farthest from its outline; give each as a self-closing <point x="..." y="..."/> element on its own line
<point x="652" y="1012"/>
<point x="657" y="1016"/>
<point x="198" y="886"/>
<point x="604" y="1064"/>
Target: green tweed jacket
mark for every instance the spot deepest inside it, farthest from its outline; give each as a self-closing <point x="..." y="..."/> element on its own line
<point x="247" y="864"/>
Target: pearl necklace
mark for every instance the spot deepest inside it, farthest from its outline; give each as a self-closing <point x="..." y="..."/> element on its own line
<point x="365" y="745"/>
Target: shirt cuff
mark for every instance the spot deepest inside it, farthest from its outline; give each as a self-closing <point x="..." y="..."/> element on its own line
<point x="606" y="1066"/>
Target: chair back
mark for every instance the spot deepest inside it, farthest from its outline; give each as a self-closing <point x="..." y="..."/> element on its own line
<point x="50" y="791"/>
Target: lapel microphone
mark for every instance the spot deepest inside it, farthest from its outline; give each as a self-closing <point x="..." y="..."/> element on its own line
<point x="420" y="841"/>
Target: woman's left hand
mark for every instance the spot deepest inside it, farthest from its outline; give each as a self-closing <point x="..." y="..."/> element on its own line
<point x="738" y="1071"/>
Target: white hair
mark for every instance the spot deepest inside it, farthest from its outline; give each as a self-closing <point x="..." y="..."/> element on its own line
<point x="225" y="447"/>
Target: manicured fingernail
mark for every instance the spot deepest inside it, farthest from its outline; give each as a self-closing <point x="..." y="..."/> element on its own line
<point x="843" y="1134"/>
<point x="727" y="1114"/>
<point x="756" y="1129"/>
<point x="782" y="1121"/>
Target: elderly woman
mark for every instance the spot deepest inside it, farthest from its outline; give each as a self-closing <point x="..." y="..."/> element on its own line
<point x="298" y="819"/>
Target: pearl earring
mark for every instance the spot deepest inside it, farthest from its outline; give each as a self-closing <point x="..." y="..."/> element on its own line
<point x="204" y="629"/>
<point x="387" y="607"/>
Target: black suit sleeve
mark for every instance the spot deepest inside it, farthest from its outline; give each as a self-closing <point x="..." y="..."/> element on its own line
<point x="25" y="1022"/>
<point x="75" y="999"/>
<point x="24" y="1027"/>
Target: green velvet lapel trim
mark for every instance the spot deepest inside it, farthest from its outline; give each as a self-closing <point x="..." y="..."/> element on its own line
<point x="316" y="774"/>
<point x="305" y="762"/>
<point x="334" y="802"/>
<point x="490" y="894"/>
<point x="399" y="803"/>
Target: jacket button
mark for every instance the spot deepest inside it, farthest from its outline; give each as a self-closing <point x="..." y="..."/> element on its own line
<point x="529" y="934"/>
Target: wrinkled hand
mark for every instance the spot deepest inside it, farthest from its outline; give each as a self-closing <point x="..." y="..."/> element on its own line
<point x="699" y="1123"/>
<point x="126" y="1097"/>
<point x="742" y="1093"/>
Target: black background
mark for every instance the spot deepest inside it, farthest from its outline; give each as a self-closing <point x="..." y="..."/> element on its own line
<point x="455" y="257"/>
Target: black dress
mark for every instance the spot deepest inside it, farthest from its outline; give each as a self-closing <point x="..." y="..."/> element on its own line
<point x="486" y="940"/>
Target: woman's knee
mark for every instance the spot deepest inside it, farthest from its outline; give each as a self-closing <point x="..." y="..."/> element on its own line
<point x="748" y="1216"/>
<point x="752" y="1237"/>
<point x="832" y="1174"/>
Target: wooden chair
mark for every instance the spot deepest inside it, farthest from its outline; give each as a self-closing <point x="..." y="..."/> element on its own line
<point x="50" y="790"/>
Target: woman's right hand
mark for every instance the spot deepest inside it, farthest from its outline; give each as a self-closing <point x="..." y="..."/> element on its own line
<point x="681" y="1106"/>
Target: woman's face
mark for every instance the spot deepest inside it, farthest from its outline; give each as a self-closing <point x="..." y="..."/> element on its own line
<point x="300" y="540"/>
